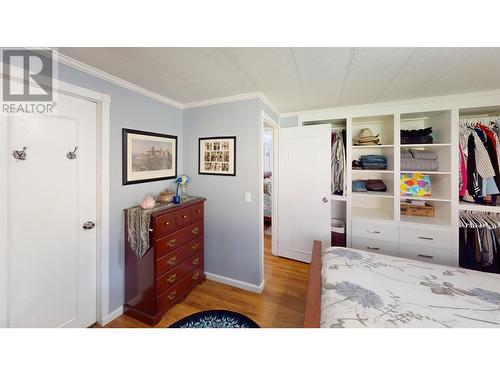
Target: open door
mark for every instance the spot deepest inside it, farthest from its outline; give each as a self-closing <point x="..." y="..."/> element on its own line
<point x="304" y="190"/>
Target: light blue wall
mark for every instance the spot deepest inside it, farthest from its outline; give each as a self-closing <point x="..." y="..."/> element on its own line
<point x="135" y="111"/>
<point x="232" y="227"/>
<point x="289" y="122"/>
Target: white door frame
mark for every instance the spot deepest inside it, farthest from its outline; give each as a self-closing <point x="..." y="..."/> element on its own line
<point x="267" y="121"/>
<point x="102" y="225"/>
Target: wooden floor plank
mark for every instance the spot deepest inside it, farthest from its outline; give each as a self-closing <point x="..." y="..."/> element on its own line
<point x="281" y="304"/>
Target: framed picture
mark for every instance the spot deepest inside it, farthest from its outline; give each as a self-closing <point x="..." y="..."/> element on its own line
<point x="217" y="156"/>
<point x="148" y="156"/>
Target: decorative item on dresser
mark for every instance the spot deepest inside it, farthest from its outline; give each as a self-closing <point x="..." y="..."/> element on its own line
<point x="163" y="257"/>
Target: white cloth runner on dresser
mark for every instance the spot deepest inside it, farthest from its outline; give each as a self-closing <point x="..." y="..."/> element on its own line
<point x="138" y="225"/>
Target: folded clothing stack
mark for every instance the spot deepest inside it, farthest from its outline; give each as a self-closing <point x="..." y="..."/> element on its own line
<point x="373" y="162"/>
<point x="416" y="136"/>
<point x="419" y="160"/>
<point x="368" y="185"/>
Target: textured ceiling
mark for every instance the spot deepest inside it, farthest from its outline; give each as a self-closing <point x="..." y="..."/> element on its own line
<point x="296" y="79"/>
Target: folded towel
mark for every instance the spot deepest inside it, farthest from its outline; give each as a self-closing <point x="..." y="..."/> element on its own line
<point x="375" y="185"/>
<point x="358" y="186"/>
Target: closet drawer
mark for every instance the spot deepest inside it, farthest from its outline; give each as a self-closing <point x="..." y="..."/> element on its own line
<point x="429" y="237"/>
<point x="174" y="240"/>
<point x="375" y="246"/>
<point x="178" y="273"/>
<point x="179" y="290"/>
<point x="197" y="212"/>
<point x="379" y="231"/>
<point x="183" y="217"/>
<point x="427" y="254"/>
<point x="164" y="224"/>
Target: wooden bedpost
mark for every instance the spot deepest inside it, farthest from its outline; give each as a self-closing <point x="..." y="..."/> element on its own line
<point x="312" y="314"/>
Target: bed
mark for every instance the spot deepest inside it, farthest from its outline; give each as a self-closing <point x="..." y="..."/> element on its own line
<point x="356" y="288"/>
<point x="268" y="199"/>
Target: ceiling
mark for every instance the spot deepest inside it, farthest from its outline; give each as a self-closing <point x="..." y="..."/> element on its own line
<point x="297" y="79"/>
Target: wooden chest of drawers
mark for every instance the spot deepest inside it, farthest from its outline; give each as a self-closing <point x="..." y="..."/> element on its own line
<point x="171" y="268"/>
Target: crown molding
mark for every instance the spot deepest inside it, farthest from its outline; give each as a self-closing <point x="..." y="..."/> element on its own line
<point x="234" y="98"/>
<point x="66" y="60"/>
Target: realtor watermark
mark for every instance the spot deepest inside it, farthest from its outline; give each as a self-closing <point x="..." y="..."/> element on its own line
<point x="28" y="81"/>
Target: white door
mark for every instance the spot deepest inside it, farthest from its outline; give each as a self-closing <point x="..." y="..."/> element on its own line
<point x="304" y="190"/>
<point x="49" y="259"/>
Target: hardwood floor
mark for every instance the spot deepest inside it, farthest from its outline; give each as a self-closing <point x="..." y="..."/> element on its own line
<point x="281" y="304"/>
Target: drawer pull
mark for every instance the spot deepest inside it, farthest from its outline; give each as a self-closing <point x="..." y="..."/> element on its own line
<point x="373" y="248"/>
<point x="196" y="261"/>
<point x="172" y="278"/>
<point x="171" y="243"/>
<point x="198" y="211"/>
<point x="195" y="231"/>
<point x="426" y="238"/>
<point x="184" y="216"/>
<point x="425" y="256"/>
<point x="167" y="222"/>
<point x="172" y="261"/>
<point x="171" y="296"/>
<point x="373" y="231"/>
<point x="196" y="276"/>
<point x="195" y="246"/>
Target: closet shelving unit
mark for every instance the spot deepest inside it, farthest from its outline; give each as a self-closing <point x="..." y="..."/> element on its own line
<point x="373" y="219"/>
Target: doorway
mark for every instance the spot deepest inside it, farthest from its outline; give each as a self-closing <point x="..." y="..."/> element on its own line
<point x="54" y="214"/>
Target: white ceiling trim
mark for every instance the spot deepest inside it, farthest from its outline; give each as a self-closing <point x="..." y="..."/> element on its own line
<point x="66" y="60"/>
<point x="234" y="98"/>
<point x="133" y="87"/>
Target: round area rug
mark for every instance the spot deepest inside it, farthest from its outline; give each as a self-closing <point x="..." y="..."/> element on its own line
<point x="215" y="319"/>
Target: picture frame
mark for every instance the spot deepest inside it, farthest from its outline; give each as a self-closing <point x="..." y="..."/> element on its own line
<point x="217" y="156"/>
<point x="148" y="156"/>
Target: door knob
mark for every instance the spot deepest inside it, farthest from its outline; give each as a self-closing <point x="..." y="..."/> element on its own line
<point x="325" y="199"/>
<point x="88" y="225"/>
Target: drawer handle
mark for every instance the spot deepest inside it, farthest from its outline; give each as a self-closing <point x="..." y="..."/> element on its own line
<point x="172" y="260"/>
<point x="426" y="238"/>
<point x="167" y="223"/>
<point x="196" y="261"/>
<point x="195" y="276"/>
<point x="184" y="216"/>
<point x="195" y="246"/>
<point x="171" y="296"/>
<point x="425" y="256"/>
<point x="172" y="278"/>
<point x="171" y="243"/>
<point x="373" y="248"/>
<point x="195" y="231"/>
<point x="198" y="211"/>
<point x="373" y="231"/>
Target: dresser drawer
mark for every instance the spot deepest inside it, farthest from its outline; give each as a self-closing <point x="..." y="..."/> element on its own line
<point x="164" y="224"/>
<point x="429" y="237"/>
<point x="375" y="230"/>
<point x="427" y="254"/>
<point x="197" y="212"/>
<point x="170" y="296"/>
<point x="183" y="217"/>
<point x="176" y="257"/>
<point x="174" y="240"/>
<point x="178" y="273"/>
<point x="375" y="246"/>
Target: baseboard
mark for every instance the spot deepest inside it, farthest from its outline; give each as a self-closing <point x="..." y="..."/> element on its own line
<point x="236" y="283"/>
<point x="112" y="316"/>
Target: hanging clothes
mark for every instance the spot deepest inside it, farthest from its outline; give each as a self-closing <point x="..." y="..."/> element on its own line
<point x="479" y="241"/>
<point x="338" y="157"/>
<point x="479" y="158"/>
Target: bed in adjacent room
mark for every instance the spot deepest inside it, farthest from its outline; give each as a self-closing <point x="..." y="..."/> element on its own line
<point x="268" y="198"/>
<point x="355" y="288"/>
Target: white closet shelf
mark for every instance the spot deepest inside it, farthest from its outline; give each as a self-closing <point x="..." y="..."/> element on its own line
<point x="372" y="171"/>
<point x="372" y="146"/>
<point x="463" y="206"/>
<point x="371" y="213"/>
<point x="427" y="172"/>
<point x="425" y="145"/>
<point x="425" y="221"/>
<point x="436" y="198"/>
<point x="377" y="194"/>
<point x="336" y="197"/>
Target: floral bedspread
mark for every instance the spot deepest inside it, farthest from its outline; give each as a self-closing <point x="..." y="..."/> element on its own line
<point x="362" y="289"/>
